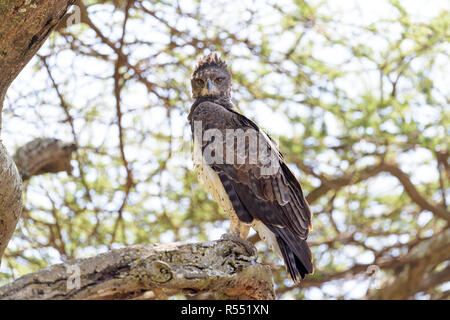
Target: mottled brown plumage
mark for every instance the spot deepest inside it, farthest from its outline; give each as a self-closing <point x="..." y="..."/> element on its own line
<point x="257" y="193"/>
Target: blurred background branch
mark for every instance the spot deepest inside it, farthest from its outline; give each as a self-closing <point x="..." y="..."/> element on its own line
<point x="43" y="155"/>
<point x="355" y="92"/>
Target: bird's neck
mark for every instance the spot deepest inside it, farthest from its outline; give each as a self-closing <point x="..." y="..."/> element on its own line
<point x="224" y="101"/>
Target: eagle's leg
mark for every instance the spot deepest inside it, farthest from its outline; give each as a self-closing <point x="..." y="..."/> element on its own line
<point x="238" y="233"/>
<point x="238" y="228"/>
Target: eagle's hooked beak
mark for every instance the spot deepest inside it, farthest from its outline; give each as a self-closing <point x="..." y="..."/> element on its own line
<point x="209" y="85"/>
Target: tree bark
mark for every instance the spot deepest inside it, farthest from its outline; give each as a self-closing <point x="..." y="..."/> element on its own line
<point x="25" y="27"/>
<point x="154" y="271"/>
<point x="44" y="155"/>
<point x="11" y="203"/>
<point x="39" y="156"/>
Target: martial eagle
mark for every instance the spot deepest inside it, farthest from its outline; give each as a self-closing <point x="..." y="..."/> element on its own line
<point x="245" y="172"/>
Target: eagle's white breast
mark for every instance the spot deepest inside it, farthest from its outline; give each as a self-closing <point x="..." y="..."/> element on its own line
<point x="211" y="180"/>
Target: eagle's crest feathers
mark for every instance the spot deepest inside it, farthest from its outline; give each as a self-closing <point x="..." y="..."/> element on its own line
<point x="211" y="60"/>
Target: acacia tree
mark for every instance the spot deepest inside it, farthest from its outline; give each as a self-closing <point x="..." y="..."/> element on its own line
<point x="359" y="108"/>
<point x="218" y="267"/>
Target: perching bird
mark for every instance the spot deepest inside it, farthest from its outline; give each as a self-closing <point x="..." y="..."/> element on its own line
<point x="249" y="179"/>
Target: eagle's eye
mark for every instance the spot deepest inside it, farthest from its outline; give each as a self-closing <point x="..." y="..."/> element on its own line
<point x="219" y="80"/>
<point x="199" y="82"/>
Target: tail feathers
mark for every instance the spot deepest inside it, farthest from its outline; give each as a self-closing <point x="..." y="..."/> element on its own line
<point x="297" y="257"/>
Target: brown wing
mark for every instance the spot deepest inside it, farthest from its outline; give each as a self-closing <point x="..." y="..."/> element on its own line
<point x="277" y="185"/>
<point x="264" y="186"/>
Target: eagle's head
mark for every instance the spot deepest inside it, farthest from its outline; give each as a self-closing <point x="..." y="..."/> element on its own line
<point x="211" y="78"/>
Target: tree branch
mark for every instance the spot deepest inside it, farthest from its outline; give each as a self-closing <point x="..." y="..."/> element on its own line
<point x="221" y="267"/>
<point x="414" y="266"/>
<point x="25" y="27"/>
<point x="434" y="279"/>
<point x="44" y="155"/>
<point x="11" y="202"/>
<point x="36" y="157"/>
<point x="414" y="194"/>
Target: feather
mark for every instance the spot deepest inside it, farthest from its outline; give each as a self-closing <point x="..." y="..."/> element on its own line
<point x="275" y="200"/>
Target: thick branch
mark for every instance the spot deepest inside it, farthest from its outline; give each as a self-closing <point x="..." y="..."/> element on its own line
<point x="418" y="262"/>
<point x="24" y="28"/>
<point x="221" y="267"/>
<point x="11" y="202"/>
<point x="36" y="157"/>
<point x="43" y="155"/>
<point x="434" y="279"/>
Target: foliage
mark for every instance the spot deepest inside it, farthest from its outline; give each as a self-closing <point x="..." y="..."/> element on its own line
<point x="360" y="109"/>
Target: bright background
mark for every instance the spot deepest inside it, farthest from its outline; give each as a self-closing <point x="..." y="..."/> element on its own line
<point x="341" y="85"/>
